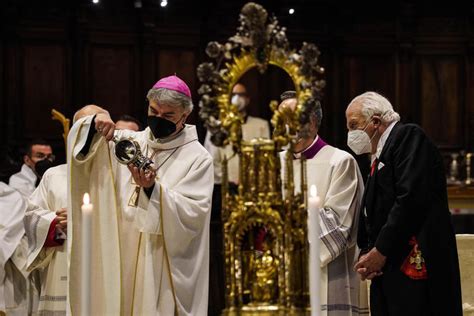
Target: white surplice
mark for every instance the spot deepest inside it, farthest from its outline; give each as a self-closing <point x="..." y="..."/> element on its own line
<point x="13" y="247"/>
<point x="24" y="181"/>
<point x="48" y="264"/>
<point x="340" y="187"/>
<point x="152" y="259"/>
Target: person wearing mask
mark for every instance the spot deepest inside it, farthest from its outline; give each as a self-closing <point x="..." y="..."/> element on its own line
<point x="38" y="158"/>
<point x="253" y="127"/>
<point x="151" y="226"/>
<point x="407" y="241"/>
<point x="340" y="186"/>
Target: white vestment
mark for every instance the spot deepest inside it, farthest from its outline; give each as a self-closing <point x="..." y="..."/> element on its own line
<point x="24" y="181"/>
<point x="253" y="127"/>
<point x="13" y="247"/>
<point x="152" y="259"/>
<point x="340" y="187"/>
<point x="48" y="264"/>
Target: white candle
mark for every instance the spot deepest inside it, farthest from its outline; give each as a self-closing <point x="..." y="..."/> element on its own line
<point x="86" y="226"/>
<point x="314" y="258"/>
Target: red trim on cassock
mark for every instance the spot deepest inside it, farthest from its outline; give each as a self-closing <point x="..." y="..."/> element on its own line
<point x="51" y="240"/>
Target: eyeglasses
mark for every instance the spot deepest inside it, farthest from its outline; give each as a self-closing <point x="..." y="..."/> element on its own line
<point x="42" y="156"/>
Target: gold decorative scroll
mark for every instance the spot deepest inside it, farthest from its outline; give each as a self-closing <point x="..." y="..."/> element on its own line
<point x="58" y="116"/>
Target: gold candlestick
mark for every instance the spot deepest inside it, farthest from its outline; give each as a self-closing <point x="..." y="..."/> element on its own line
<point x="469" y="179"/>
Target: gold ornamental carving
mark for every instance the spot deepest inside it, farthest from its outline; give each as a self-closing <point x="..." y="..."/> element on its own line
<point x="264" y="222"/>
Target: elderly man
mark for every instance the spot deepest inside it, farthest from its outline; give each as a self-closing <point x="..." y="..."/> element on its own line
<point x="150" y="251"/>
<point x="39" y="157"/>
<point x="340" y="187"/>
<point x="405" y="231"/>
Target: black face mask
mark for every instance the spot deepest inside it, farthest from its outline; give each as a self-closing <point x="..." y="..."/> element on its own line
<point x="43" y="165"/>
<point x="160" y="127"/>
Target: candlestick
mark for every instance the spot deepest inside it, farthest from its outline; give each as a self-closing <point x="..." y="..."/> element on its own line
<point x="314" y="258"/>
<point x="86" y="256"/>
<point x="469" y="179"/>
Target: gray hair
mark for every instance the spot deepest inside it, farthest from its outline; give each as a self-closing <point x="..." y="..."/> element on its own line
<point x="375" y="104"/>
<point x="170" y="97"/>
<point x="312" y="107"/>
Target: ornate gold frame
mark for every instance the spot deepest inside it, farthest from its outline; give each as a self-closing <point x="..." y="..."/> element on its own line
<point x="272" y="280"/>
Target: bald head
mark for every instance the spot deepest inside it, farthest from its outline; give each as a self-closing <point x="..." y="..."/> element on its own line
<point x="308" y="129"/>
<point x="288" y="104"/>
<point x="239" y="89"/>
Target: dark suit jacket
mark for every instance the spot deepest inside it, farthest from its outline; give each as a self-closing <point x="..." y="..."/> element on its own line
<point x="407" y="197"/>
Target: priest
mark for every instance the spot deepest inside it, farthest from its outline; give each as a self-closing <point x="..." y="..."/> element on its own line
<point x="340" y="187"/>
<point x="150" y="228"/>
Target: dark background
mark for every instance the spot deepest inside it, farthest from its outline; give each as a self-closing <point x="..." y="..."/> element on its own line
<point x="64" y="54"/>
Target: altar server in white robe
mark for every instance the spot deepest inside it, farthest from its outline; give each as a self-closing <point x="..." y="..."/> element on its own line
<point x="46" y="227"/>
<point x="253" y="127"/>
<point x="150" y="232"/>
<point x="340" y="186"/>
<point x="38" y="158"/>
<point x="13" y="247"/>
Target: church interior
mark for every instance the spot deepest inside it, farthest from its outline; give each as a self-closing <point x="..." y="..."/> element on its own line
<point x="61" y="55"/>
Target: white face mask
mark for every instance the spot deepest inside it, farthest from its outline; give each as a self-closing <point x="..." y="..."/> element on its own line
<point x="359" y="142"/>
<point x="238" y="101"/>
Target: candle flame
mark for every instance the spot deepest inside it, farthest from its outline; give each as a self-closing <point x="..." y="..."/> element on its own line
<point x="313" y="191"/>
<point x="86" y="199"/>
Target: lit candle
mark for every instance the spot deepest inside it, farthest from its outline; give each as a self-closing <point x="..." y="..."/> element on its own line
<point x="314" y="259"/>
<point x="86" y="226"/>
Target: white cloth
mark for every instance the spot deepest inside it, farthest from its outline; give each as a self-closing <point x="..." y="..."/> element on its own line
<point x="340" y="187"/>
<point x="13" y="298"/>
<point x="254" y="127"/>
<point x="24" y="181"/>
<point x="148" y="257"/>
<point x="382" y="141"/>
<point x="50" y="263"/>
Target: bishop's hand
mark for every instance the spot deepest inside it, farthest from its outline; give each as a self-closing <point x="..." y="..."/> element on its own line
<point x="143" y="177"/>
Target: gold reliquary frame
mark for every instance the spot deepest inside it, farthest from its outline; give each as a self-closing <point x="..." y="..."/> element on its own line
<point x="276" y="285"/>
